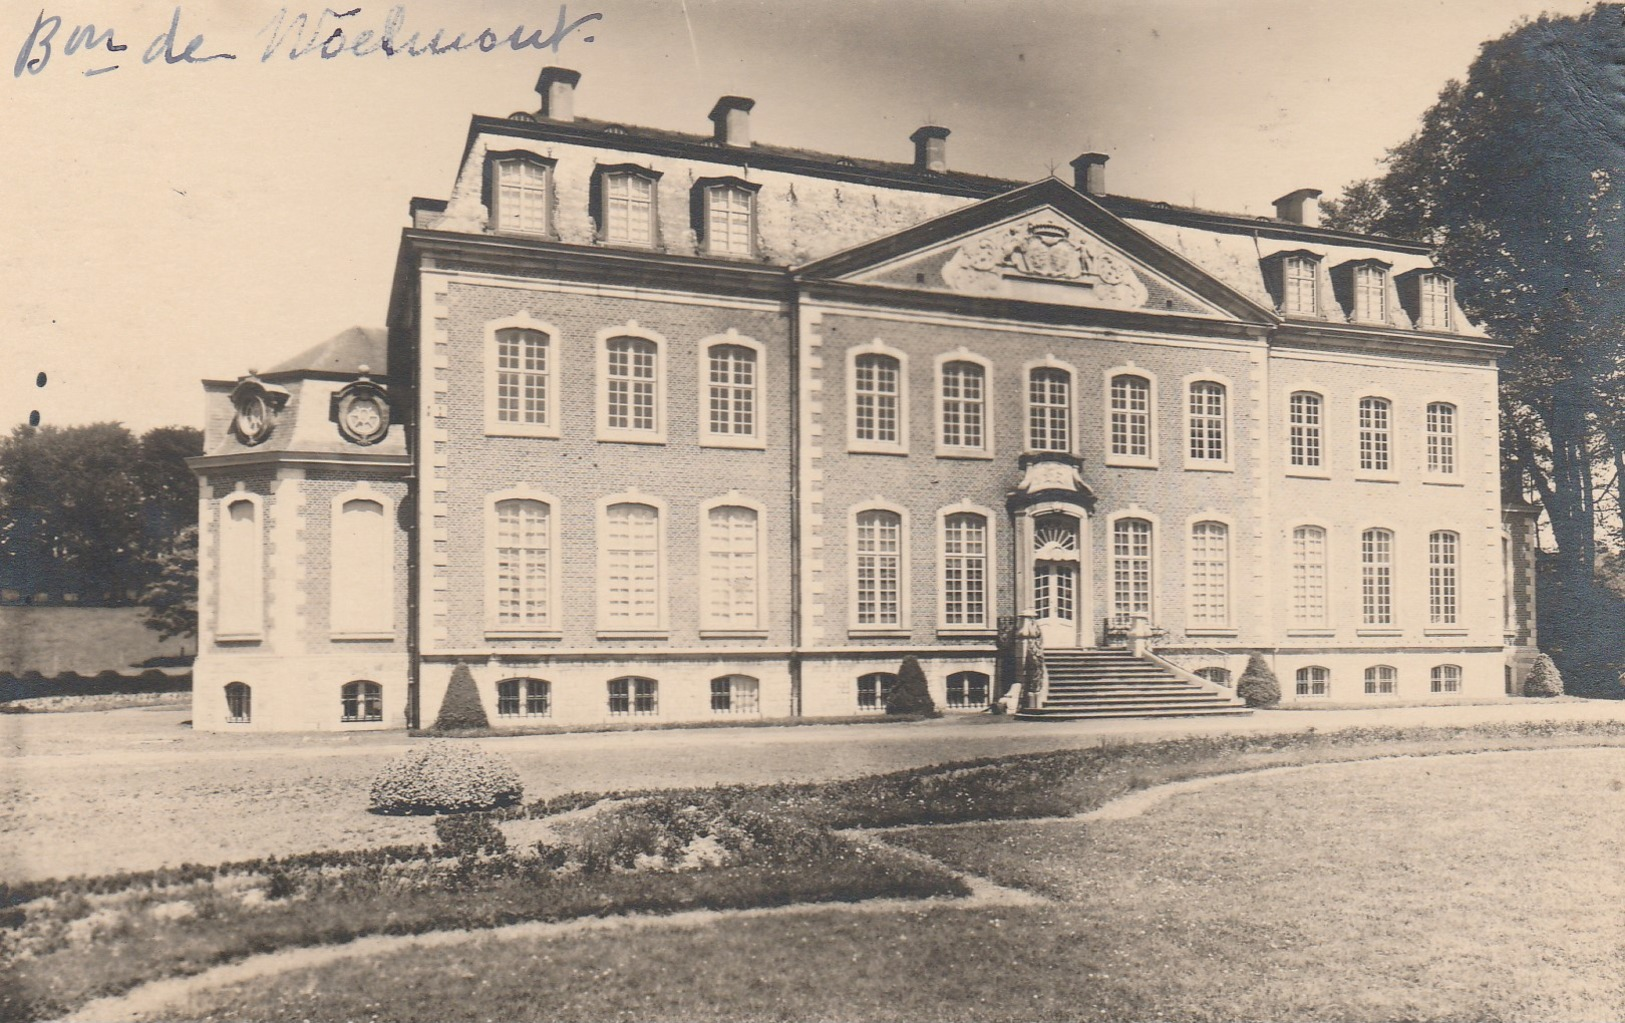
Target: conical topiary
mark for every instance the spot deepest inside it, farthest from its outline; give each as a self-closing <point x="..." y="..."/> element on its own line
<point x="1544" y="679"/>
<point x="911" y="694"/>
<point x="461" y="709"/>
<point x="1259" y="686"/>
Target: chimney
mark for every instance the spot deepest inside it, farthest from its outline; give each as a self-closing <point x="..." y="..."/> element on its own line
<point x="557" y="87"/>
<point x="1089" y="173"/>
<point x="931" y="149"/>
<point x="731" y="116"/>
<point x="1300" y="207"/>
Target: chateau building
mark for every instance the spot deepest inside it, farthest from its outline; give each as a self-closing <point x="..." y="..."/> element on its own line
<point x="682" y="427"/>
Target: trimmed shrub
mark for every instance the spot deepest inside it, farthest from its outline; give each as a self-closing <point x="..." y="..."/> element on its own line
<point x="1258" y="685"/>
<point x="911" y="694"/>
<point x="445" y="777"/>
<point x="1544" y="679"/>
<point x="461" y="710"/>
<point x="470" y="835"/>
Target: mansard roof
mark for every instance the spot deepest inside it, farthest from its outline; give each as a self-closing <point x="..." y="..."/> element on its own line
<point x="343" y="353"/>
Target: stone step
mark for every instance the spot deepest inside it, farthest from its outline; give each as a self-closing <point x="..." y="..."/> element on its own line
<point x="1138" y="701"/>
<point x="1178" y="712"/>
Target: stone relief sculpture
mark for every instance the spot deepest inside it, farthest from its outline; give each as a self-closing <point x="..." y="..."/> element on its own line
<point x="1043" y="251"/>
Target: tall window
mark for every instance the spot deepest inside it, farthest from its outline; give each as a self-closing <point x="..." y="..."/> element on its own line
<point x="1049" y="409"/>
<point x="1377" y="577"/>
<point x="1131" y="416"/>
<point x="879" y="569"/>
<point x="633" y="696"/>
<point x="361" y="598"/>
<point x="1314" y="681"/>
<point x="239" y="703"/>
<point x="1435" y="302"/>
<point x="629" y="208"/>
<point x="1309" y="576"/>
<point x="732" y="567"/>
<point x="1375" y="439"/>
<point x="729" y="230"/>
<point x="964" y="570"/>
<point x="631" y="385"/>
<point x="874" y="688"/>
<point x="1299" y="276"/>
<point x="877" y="399"/>
<point x="1207" y="441"/>
<point x="968" y="689"/>
<point x="1381" y="680"/>
<point x="1446" y="678"/>
<point x="1131" y="567"/>
<point x="524" y="697"/>
<point x="964" y="406"/>
<point x="1209" y="588"/>
<point x="1443" y="583"/>
<point x="631" y="567"/>
<point x="1370" y="293"/>
<point x="1303" y="428"/>
<point x="362" y="701"/>
<point x="731" y="373"/>
<point x="521" y="196"/>
<point x="735" y="694"/>
<point x="240" y="574"/>
<point x="1441" y="438"/>
<point x="521" y="377"/>
<point x="523" y="565"/>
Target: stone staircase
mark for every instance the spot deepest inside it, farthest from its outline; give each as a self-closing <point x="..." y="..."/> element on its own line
<point x="1116" y="684"/>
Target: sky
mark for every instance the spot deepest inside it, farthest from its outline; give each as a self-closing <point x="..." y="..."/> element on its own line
<point x="174" y="221"/>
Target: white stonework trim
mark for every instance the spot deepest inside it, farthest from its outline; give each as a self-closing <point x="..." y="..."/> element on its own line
<point x="853" y="444"/>
<point x="1397" y="569"/>
<point x="755" y="441"/>
<point x="1328" y="624"/>
<point x="811" y="626"/>
<point x="986" y="448"/>
<point x="904" y="538"/>
<point x="207" y="537"/>
<point x="709" y="626"/>
<point x="990" y="571"/>
<point x="1228" y="462"/>
<point x="1074" y="423"/>
<point x="659" y="628"/>
<point x="601" y="354"/>
<point x="1133" y="511"/>
<point x="549" y="427"/>
<point x="285" y="614"/>
<point x="475" y="278"/>
<point x="555" y="563"/>
<point x="1459" y="462"/>
<point x="433" y="457"/>
<point x="254" y="613"/>
<point x="1332" y="444"/>
<point x="380" y="590"/>
<point x="1153" y="443"/>
<point x="1228" y="625"/>
<point x="1393" y="473"/>
<point x="1073" y="333"/>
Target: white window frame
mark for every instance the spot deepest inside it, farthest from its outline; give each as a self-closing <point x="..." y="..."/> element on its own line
<point x="498" y="207"/>
<point x="735" y="689"/>
<point x="1226" y="433"/>
<point x="381" y="625"/>
<point x="1319" y="468"/>
<point x="660" y="627"/>
<point x="1303" y="683"/>
<point x="1446" y="301"/>
<point x="549" y="427"/>
<point x="944" y="449"/>
<point x="623" y="435"/>
<point x="1363" y="313"/>
<point x="876" y="447"/>
<point x="1150" y="459"/>
<point x="1443" y="451"/>
<point x="605" y="178"/>
<point x="1133" y="512"/>
<point x="1027" y="370"/>
<point x="1368" y="622"/>
<point x="989" y="571"/>
<point x="1445" y="679"/>
<point x="756" y="440"/>
<point x="1299" y="623"/>
<point x="965" y="703"/>
<point x="902" y="626"/>
<point x="1444" y="581"/>
<point x="879" y="706"/>
<point x="632" y="697"/>
<point x="494" y="627"/>
<point x="524" y="699"/>
<point x="707" y="192"/>
<point x="1226" y="623"/>
<point x="253" y="588"/>
<point x="1374" y="680"/>
<point x="1289" y="294"/>
<point x="710" y="627"/>
<point x="1386" y="433"/>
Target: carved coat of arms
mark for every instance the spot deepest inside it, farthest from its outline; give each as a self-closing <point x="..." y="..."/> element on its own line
<point x="1043" y="252"/>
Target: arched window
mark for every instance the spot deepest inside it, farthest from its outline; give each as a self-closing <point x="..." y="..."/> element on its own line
<point x="1049" y="409"/>
<point x="520" y="197"/>
<point x="632" y="386"/>
<point x="1446" y="678"/>
<point x="968" y="689"/>
<point x="631" y="571"/>
<point x="239" y="703"/>
<point x="1443" y="581"/>
<point x="729" y="220"/>
<point x="964" y="571"/>
<point x="1441" y="433"/>
<point x="1309" y="576"/>
<point x="735" y="694"/>
<point x="628" y="199"/>
<point x="524" y="697"/>
<point x="1218" y="676"/>
<point x="1314" y="681"/>
<point x="520" y="395"/>
<point x="874" y="688"/>
<point x="633" y="696"/>
<point x="731" y="584"/>
<point x="878" y="568"/>
<point x="1303" y="429"/>
<point x="362" y="569"/>
<point x="1131" y="567"/>
<point x="522" y="562"/>
<point x="1381" y="680"/>
<point x="1376" y="415"/>
<point x="362" y="701"/>
<point x="1206" y="420"/>
<point x="731" y="391"/>
<point x="1130" y="416"/>
<point x="1377" y="577"/>
<point x="1209" y="583"/>
<point x="964" y="406"/>
<point x="877" y="388"/>
<point x="240" y="571"/>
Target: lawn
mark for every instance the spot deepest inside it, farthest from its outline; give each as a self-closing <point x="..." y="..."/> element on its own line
<point x="1450" y="887"/>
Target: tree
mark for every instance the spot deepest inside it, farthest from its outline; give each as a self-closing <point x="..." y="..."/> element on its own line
<point x="461" y="709"/>
<point x="911" y="694"/>
<point x="1544" y="679"/>
<point x="1258" y="685"/>
<point x="170" y="598"/>
<point x="169" y="490"/>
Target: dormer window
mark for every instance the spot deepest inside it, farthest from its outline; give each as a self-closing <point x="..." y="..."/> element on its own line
<point x="1370" y="293"/>
<point x="625" y="205"/>
<point x="1294" y="279"/>
<point x="518" y="193"/>
<point x="725" y="216"/>
<point x="1427" y="297"/>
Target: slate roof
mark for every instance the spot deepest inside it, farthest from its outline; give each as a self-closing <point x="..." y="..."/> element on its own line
<point x="344" y="352"/>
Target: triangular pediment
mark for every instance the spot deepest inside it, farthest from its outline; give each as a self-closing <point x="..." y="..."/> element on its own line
<point x="1043" y="243"/>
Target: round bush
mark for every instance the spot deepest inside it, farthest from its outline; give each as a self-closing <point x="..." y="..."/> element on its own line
<point x="445" y="777"/>
<point x="1544" y="679"/>
<point x="1258" y="685"/>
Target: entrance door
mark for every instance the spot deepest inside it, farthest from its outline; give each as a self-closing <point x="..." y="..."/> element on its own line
<point x="1055" y="568"/>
